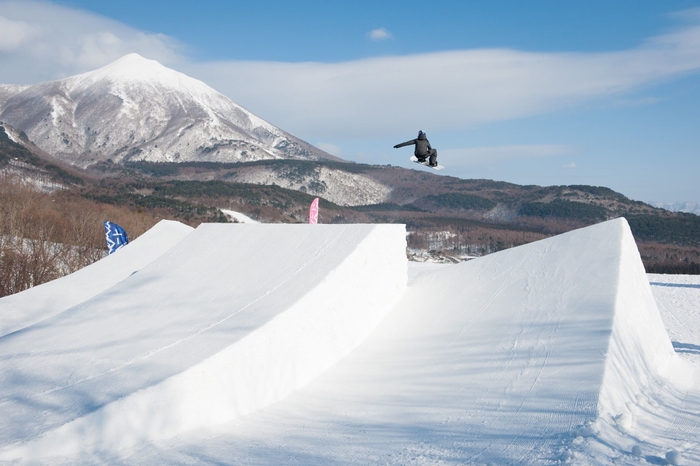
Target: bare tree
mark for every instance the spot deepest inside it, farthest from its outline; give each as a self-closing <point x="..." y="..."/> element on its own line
<point x="43" y="237"/>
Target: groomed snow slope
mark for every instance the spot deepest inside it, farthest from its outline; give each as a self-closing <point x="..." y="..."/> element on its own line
<point x="549" y="353"/>
<point x="231" y="319"/>
<point x="40" y="302"/>
<point x="678" y="298"/>
<point x="649" y="405"/>
<point x="527" y="356"/>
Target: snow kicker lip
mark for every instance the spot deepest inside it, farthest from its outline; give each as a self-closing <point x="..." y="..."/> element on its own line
<point x="232" y="319"/>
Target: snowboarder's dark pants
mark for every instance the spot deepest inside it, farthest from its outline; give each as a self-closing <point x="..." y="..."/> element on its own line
<point x="433" y="157"/>
<point x="432" y="153"/>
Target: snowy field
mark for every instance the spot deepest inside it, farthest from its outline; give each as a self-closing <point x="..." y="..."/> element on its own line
<point x="678" y="298"/>
<point x="318" y="344"/>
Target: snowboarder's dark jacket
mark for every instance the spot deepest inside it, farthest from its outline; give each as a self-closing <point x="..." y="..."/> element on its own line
<point x="422" y="146"/>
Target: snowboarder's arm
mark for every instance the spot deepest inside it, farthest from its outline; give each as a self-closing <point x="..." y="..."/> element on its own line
<point x="407" y="143"/>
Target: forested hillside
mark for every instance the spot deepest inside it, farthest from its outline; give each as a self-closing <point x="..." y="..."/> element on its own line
<point x="51" y="214"/>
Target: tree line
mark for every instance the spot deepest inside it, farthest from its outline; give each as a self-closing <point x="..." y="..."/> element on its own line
<point x="45" y="236"/>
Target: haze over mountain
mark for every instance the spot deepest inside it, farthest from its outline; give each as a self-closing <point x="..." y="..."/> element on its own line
<point x="137" y="109"/>
<point x="680" y="206"/>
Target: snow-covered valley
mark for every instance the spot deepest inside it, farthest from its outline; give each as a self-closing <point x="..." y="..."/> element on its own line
<point x="320" y="344"/>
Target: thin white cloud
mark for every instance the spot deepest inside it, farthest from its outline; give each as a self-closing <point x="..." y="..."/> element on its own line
<point x="332" y="149"/>
<point x="41" y="41"/>
<point x="688" y="15"/>
<point x="490" y="155"/>
<point x="455" y="89"/>
<point x="570" y="165"/>
<point x="13" y="34"/>
<point x="639" y="102"/>
<point x="379" y="34"/>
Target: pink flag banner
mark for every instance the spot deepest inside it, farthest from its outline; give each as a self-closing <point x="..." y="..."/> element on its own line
<point x="313" y="212"/>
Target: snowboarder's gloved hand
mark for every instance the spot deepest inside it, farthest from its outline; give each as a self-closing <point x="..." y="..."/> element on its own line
<point x="396" y="146"/>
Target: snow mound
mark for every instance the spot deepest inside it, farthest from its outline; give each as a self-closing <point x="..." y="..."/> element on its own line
<point x="649" y="393"/>
<point x="237" y="216"/>
<point x="230" y="320"/>
<point x="41" y="302"/>
<point x="488" y="361"/>
<point x="280" y="344"/>
<point x="526" y="356"/>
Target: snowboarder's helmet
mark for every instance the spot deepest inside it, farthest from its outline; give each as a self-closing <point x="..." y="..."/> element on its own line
<point x="420" y="132"/>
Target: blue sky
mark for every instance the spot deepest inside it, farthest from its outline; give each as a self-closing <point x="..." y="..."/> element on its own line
<point x="538" y="92"/>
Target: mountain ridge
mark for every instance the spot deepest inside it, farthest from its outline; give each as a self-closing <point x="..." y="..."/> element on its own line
<point x="447" y="218"/>
<point x="141" y="135"/>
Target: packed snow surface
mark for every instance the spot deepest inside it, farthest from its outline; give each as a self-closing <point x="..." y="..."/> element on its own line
<point x="678" y="297"/>
<point x="221" y="352"/>
<point x="228" y="321"/>
<point x="238" y="217"/>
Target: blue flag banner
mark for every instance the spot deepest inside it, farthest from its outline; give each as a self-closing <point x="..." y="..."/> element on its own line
<point x="116" y="236"/>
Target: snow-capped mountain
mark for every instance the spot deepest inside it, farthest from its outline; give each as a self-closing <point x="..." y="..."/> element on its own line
<point x="9" y="90"/>
<point x="137" y="109"/>
<point x="28" y="165"/>
<point x="682" y="206"/>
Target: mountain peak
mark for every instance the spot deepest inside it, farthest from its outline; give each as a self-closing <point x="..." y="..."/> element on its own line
<point x="134" y="61"/>
<point x="134" y="57"/>
<point x="137" y="109"/>
<point x="133" y="68"/>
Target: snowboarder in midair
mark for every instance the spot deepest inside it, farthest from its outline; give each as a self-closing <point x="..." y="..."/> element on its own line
<point x="423" y="150"/>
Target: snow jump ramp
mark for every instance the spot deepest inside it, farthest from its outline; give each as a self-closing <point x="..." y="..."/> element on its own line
<point x="40" y="302"/>
<point x="549" y="353"/>
<point x="229" y="320"/>
<point x="553" y="352"/>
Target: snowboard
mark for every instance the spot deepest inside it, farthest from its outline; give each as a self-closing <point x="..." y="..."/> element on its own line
<point x="437" y="167"/>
